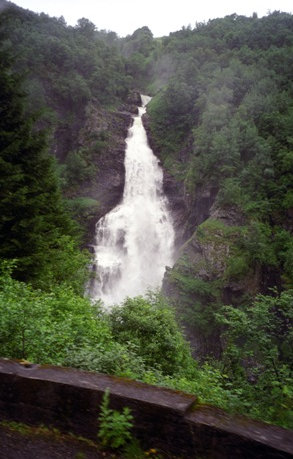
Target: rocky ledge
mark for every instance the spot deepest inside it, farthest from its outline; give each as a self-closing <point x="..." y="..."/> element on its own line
<point x="108" y="183"/>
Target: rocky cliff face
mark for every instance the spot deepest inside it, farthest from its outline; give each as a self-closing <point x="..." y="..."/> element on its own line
<point x="174" y="190"/>
<point x="201" y="281"/>
<point x="202" y="278"/>
<point x="107" y="184"/>
<point x="188" y="212"/>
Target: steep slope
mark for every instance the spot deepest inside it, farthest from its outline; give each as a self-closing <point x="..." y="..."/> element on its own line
<point x="76" y="79"/>
<point x="221" y="126"/>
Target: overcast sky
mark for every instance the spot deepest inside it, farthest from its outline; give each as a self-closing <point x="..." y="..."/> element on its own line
<point x="161" y="16"/>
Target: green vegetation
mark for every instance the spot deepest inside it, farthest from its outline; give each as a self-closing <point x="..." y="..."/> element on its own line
<point x="64" y="70"/>
<point x="60" y="327"/>
<point x="83" y="209"/>
<point x="34" y="227"/>
<point x="150" y="326"/>
<point x="221" y="118"/>
<point x="72" y="65"/>
<point x="229" y="103"/>
<point x="115" y="426"/>
<point x="258" y="354"/>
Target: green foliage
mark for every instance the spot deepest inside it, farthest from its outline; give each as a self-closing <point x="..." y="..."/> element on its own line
<point x="45" y="326"/>
<point x="150" y="325"/>
<point x="110" y="358"/>
<point x="72" y="90"/>
<point x="70" y="64"/>
<point x="83" y="209"/>
<point x="138" y="49"/>
<point x="171" y="115"/>
<point x="231" y="194"/>
<point x="115" y="426"/>
<point x="133" y="450"/>
<point x="79" y="168"/>
<point x="222" y="116"/>
<point x="34" y="227"/>
<point x="60" y="327"/>
<point x="257" y="241"/>
<point x="258" y="354"/>
<point x="207" y="383"/>
<point x="64" y="263"/>
<point x="198" y="300"/>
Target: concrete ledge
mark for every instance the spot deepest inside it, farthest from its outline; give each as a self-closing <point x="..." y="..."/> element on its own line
<point x="69" y="399"/>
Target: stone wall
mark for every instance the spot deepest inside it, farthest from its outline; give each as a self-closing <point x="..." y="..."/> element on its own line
<point x="173" y="421"/>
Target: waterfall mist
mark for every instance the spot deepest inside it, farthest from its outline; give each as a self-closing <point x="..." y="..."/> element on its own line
<point x="134" y="242"/>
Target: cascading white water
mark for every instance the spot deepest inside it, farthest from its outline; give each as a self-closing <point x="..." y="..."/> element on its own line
<point x="134" y="242"/>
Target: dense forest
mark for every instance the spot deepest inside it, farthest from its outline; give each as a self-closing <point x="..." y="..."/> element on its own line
<point x="220" y="121"/>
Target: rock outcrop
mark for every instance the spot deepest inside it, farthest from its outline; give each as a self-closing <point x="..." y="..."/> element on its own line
<point x="187" y="211"/>
<point x="107" y="185"/>
<point x="206" y="241"/>
<point x="174" y="190"/>
<point x="201" y="279"/>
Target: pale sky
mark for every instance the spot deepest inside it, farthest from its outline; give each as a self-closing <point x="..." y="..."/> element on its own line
<point x="161" y="16"/>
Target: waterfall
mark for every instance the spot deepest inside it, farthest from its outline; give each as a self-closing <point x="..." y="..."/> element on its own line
<point x="134" y="242"/>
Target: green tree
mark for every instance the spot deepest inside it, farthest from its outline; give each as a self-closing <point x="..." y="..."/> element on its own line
<point x="150" y="325"/>
<point x="258" y="355"/>
<point x="33" y="219"/>
<point x="86" y="27"/>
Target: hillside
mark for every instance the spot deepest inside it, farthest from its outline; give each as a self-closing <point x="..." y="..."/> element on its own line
<point x="220" y="121"/>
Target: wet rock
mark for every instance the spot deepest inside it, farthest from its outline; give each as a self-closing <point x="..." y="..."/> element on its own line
<point x="134" y="98"/>
<point x="202" y="264"/>
<point x="188" y="211"/>
<point x="108" y="184"/>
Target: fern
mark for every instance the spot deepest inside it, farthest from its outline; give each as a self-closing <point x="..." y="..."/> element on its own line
<point x="115" y="426"/>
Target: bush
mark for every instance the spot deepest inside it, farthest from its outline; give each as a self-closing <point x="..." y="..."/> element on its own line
<point x="150" y="325"/>
<point x="44" y="327"/>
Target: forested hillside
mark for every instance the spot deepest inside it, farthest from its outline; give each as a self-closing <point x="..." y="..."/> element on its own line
<point x="221" y="122"/>
<point x="222" y="126"/>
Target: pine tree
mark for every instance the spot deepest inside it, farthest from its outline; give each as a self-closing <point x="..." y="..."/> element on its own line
<point x="33" y="222"/>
